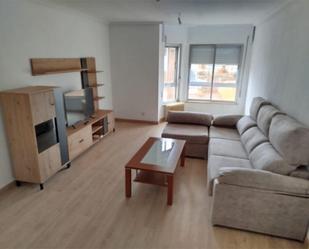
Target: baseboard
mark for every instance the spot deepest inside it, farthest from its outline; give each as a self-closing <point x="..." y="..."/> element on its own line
<point x="7" y="187"/>
<point x="136" y="121"/>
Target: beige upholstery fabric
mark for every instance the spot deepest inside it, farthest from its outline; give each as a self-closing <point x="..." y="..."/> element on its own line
<point x="265" y="157"/>
<point x="189" y="118"/>
<point x="244" y="124"/>
<point x="256" y="104"/>
<point x="215" y="163"/>
<point x="226" y="120"/>
<point x="301" y="172"/>
<point x="291" y="139"/>
<point x="195" y="134"/>
<point x="265" y="115"/>
<point x="252" y="138"/>
<point x="224" y="133"/>
<point x="261" y="179"/>
<point x="260" y="211"/>
<point x="228" y="148"/>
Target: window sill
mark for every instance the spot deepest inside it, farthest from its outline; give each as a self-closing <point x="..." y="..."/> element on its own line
<point x="212" y="102"/>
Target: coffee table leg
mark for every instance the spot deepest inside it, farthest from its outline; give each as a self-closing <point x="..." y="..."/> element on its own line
<point x="183" y="157"/>
<point x="128" y="183"/>
<point x="170" y="183"/>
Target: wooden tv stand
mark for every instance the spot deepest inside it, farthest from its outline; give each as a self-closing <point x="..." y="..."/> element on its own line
<point x="82" y="136"/>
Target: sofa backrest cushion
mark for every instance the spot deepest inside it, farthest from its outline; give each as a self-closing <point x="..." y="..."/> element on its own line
<point x="226" y="120"/>
<point x="245" y="123"/>
<point x="252" y="138"/>
<point x="265" y="115"/>
<point x="290" y="139"/>
<point x="180" y="117"/>
<point x="256" y="104"/>
<point x="265" y="157"/>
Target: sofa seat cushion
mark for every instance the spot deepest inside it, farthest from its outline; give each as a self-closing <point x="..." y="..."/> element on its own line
<point x="197" y="118"/>
<point x="224" y="133"/>
<point x="252" y="138"/>
<point x="265" y="115"/>
<point x="301" y="172"/>
<point x="226" y="147"/>
<point x="194" y="134"/>
<point x="244" y="124"/>
<point x="256" y="104"/>
<point x="265" y="157"/>
<point x="215" y="163"/>
<point x="290" y="139"/>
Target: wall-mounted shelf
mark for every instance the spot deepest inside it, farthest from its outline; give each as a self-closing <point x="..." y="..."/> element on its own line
<point x="94" y="72"/>
<point x="56" y="66"/>
<point x="98" y="98"/>
<point x="96" y="85"/>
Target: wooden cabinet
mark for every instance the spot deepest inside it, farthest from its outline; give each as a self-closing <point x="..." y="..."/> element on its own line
<point x="42" y="106"/>
<point x="83" y="136"/>
<point x="111" y="121"/>
<point x="32" y="131"/>
<point x="80" y="141"/>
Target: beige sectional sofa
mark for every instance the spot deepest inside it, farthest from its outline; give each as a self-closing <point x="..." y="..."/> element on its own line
<point x="258" y="172"/>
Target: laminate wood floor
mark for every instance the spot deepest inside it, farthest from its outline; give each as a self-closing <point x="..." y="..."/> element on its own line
<point x="85" y="206"/>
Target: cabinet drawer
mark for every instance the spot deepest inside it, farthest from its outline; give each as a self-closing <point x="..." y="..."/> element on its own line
<point x="79" y="141"/>
<point x="49" y="162"/>
<point x="42" y="106"/>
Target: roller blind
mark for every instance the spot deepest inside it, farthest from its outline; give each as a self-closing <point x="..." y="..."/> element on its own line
<point x="202" y="54"/>
<point x="228" y="54"/>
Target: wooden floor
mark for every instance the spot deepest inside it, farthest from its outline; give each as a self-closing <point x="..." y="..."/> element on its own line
<point x="85" y="206"/>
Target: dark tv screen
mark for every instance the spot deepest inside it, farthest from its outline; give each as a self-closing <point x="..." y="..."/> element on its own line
<point x="78" y="105"/>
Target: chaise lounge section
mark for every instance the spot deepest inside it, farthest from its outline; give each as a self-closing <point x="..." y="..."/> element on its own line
<point x="192" y="127"/>
<point x="258" y="173"/>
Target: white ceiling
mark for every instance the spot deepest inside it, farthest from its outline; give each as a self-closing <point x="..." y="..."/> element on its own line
<point x="192" y="11"/>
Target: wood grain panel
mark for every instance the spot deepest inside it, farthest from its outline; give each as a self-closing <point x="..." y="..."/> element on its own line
<point x="49" y="162"/>
<point x="43" y="107"/>
<point x="21" y="136"/>
<point x="55" y="65"/>
<point x="80" y="141"/>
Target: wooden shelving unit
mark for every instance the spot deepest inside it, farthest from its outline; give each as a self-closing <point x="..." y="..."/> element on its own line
<point x="84" y="135"/>
<point x="96" y="128"/>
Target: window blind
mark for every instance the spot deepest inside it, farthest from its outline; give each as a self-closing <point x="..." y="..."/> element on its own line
<point x="202" y="54"/>
<point x="228" y="54"/>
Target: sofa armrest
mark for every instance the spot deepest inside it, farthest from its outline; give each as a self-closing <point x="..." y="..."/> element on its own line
<point x="181" y="117"/>
<point x="264" y="180"/>
<point x="226" y="120"/>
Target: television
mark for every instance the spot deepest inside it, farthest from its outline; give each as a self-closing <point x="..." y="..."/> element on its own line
<point x="78" y="106"/>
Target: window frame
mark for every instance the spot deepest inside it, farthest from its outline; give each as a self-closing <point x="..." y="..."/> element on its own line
<point x="238" y="80"/>
<point x="177" y="73"/>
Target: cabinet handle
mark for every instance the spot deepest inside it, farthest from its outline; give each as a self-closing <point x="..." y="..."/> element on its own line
<point x="80" y="141"/>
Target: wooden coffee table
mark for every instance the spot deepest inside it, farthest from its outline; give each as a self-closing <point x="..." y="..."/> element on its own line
<point x="156" y="163"/>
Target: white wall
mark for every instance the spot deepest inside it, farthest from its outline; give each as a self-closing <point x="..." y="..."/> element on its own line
<point x="210" y="34"/>
<point x="30" y="30"/>
<point x="135" y="65"/>
<point x="280" y="62"/>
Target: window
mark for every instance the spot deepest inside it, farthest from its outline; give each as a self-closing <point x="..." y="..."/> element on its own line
<point x="171" y="66"/>
<point x="214" y="72"/>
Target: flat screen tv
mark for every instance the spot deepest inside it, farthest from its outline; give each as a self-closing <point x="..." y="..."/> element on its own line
<point x="78" y="105"/>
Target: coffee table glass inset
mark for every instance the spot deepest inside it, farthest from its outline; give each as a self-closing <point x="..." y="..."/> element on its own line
<point x="155" y="163"/>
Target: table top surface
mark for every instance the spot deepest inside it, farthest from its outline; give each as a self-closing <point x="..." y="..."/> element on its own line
<point x="158" y="155"/>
